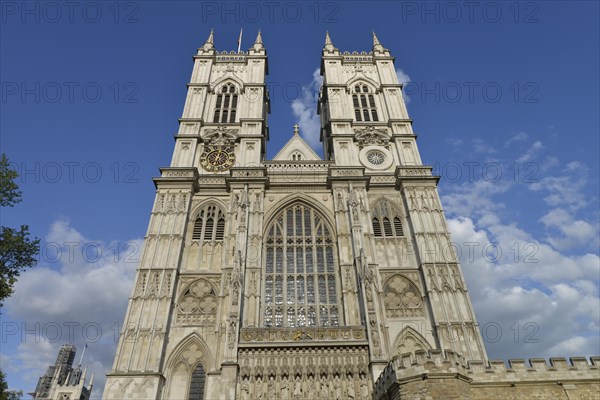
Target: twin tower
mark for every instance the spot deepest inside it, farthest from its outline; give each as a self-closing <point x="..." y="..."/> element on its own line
<point x="297" y="277"/>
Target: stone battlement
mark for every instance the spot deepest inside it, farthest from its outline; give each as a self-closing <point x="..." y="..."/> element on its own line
<point x="450" y="373"/>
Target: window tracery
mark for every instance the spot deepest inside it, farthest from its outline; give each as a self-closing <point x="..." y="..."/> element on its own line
<point x="402" y="298"/>
<point x="387" y="221"/>
<point x="226" y="105"/>
<point x="197" y="303"/>
<point x="301" y="282"/>
<point x="209" y="225"/>
<point x="364" y="104"/>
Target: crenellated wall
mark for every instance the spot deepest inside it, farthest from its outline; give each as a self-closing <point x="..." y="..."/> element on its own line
<point x="434" y="374"/>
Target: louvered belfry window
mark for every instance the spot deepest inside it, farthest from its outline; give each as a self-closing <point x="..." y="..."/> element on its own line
<point x="226" y="105"/>
<point x="364" y="104"/>
<point x="387" y="221"/>
<point x="209" y="225"/>
<point x="301" y="275"/>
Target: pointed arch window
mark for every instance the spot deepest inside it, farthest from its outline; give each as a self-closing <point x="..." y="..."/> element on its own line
<point x="209" y="225"/>
<point x="387" y="221"/>
<point x="197" y="383"/>
<point x="226" y="105"/>
<point x="301" y="283"/>
<point x="364" y="104"/>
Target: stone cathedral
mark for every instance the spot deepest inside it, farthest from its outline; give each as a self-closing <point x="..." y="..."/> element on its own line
<point x="297" y="277"/>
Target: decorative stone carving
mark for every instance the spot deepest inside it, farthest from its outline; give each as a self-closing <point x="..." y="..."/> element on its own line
<point x="402" y="298"/>
<point x="371" y="136"/>
<point x="197" y="303"/>
<point x="221" y="136"/>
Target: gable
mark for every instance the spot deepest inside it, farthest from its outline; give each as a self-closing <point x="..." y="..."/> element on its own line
<point x="296" y="147"/>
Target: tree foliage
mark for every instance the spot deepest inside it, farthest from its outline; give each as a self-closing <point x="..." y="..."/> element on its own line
<point x="17" y="250"/>
<point x="9" y="190"/>
<point x="6" y="394"/>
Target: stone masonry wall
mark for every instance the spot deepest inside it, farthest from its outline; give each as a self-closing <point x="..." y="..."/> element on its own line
<point x="429" y="375"/>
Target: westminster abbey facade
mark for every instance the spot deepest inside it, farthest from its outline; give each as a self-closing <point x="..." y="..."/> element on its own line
<point x="296" y="277"/>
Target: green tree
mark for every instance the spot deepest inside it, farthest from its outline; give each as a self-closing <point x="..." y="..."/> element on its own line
<point x="6" y="394"/>
<point x="17" y="250"/>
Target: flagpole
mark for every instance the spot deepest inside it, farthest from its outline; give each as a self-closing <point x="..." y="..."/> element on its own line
<point x="240" y="40"/>
<point x="82" y="353"/>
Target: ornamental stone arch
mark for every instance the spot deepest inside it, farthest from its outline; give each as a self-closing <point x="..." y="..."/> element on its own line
<point x="216" y="207"/>
<point x="205" y="236"/>
<point x="387" y="219"/>
<point x="310" y="201"/>
<point x="216" y="86"/>
<point x="409" y="341"/>
<point x="362" y="80"/>
<point x="197" y="303"/>
<point x="183" y="361"/>
<point x="402" y="298"/>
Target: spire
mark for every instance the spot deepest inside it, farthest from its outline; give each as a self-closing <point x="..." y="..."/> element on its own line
<point x="377" y="46"/>
<point x="328" y="43"/>
<point x="375" y="40"/>
<point x="210" y="42"/>
<point x="258" y="43"/>
<point x="66" y="383"/>
<point x="91" y="381"/>
<point x="57" y="373"/>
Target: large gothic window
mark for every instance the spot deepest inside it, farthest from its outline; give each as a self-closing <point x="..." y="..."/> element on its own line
<point x="387" y="221"/>
<point x="197" y="384"/>
<point x="300" y="280"/>
<point x="209" y="225"/>
<point x="226" y="106"/>
<point x="364" y="104"/>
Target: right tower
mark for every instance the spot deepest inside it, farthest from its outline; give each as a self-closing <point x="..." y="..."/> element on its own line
<point x="419" y="299"/>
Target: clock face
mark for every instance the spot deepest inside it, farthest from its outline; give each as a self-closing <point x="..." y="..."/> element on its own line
<point x="376" y="157"/>
<point x="216" y="159"/>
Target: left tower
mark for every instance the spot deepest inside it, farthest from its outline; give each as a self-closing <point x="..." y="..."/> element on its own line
<point x="180" y="332"/>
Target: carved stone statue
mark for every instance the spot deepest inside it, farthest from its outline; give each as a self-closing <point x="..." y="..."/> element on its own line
<point x="364" y="390"/>
<point x="271" y="388"/>
<point x="337" y="388"/>
<point x="311" y="388"/>
<point x="350" y="392"/>
<point x="298" y="388"/>
<point x="324" y="389"/>
<point x="245" y="390"/>
<point x="258" y="392"/>
<point x="285" y="390"/>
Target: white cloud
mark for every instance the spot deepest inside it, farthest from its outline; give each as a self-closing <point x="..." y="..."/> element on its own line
<point x="566" y="190"/>
<point x="480" y="146"/>
<point x="518" y="137"/>
<point x="404" y="79"/>
<point x="560" y="289"/>
<point x="531" y="153"/>
<point x="571" y="232"/>
<point x="77" y="294"/>
<point x="305" y="109"/>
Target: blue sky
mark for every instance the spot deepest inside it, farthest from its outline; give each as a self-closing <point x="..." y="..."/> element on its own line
<point x="90" y="101"/>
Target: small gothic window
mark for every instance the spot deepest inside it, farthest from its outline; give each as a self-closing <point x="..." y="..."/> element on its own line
<point x="197" y="383"/>
<point x="387" y="221"/>
<point x="296" y="156"/>
<point x="226" y="105"/>
<point x="205" y="227"/>
<point x="364" y="104"/>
